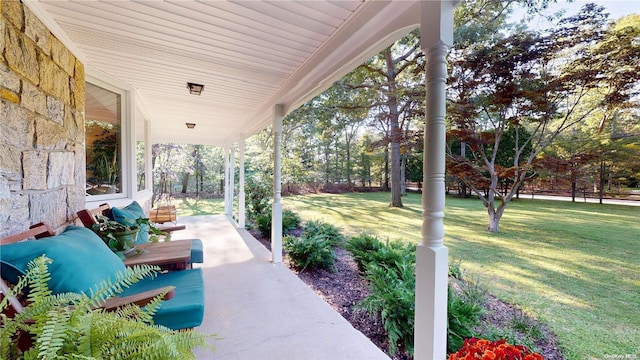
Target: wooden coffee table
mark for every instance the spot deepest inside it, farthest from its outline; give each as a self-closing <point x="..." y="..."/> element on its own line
<point x="174" y="254"/>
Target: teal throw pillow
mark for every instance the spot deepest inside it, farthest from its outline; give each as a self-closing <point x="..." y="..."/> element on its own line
<point x="81" y="260"/>
<point x="128" y="216"/>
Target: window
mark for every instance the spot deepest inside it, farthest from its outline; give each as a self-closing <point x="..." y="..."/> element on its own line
<point x="103" y="132"/>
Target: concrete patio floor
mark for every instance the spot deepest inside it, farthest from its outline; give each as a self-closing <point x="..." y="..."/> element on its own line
<point x="261" y="310"/>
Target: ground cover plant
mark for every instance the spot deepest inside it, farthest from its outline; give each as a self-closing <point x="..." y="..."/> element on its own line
<point x="572" y="265"/>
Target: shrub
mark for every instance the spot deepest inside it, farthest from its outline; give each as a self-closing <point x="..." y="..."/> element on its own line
<point x="290" y="221"/>
<point x="455" y="270"/>
<point x="463" y="316"/>
<point x="471" y="291"/>
<point x="263" y="222"/>
<point x="520" y="330"/>
<point x="361" y="248"/>
<point x="367" y="249"/>
<point x="259" y="195"/>
<point x="393" y="299"/>
<point x="310" y="252"/>
<point x="329" y="232"/>
<point x="390" y="270"/>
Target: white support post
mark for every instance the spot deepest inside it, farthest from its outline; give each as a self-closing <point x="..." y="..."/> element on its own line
<point x="241" y="195"/>
<point x="232" y="178"/>
<point x="276" y="214"/>
<point x="227" y="207"/>
<point x="436" y="32"/>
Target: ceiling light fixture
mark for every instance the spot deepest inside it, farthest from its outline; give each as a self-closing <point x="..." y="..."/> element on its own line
<point x="195" y="89"/>
<point x="190" y="125"/>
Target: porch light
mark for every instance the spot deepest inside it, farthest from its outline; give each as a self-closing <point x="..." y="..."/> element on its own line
<point x="190" y="125"/>
<point x="195" y="89"/>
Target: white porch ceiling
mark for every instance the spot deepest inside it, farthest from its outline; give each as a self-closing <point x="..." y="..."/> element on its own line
<point x="250" y="55"/>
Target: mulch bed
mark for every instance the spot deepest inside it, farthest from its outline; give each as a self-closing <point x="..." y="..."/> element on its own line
<point x="344" y="289"/>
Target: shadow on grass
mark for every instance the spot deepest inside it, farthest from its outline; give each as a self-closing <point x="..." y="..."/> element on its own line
<point x="195" y="206"/>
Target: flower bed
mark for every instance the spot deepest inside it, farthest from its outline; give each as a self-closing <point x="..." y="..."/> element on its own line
<point x="481" y="349"/>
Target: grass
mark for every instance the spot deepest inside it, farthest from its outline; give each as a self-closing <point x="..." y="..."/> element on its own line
<point x="574" y="266"/>
<point x="194" y="207"/>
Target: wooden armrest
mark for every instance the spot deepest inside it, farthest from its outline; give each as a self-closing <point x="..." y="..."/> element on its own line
<point x="38" y="231"/>
<point x="140" y="299"/>
<point x="86" y="218"/>
<point x="89" y="217"/>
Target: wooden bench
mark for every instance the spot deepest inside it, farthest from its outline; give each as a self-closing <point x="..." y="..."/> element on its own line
<point x="163" y="214"/>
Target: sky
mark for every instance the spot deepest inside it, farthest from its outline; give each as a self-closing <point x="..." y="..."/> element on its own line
<point x="615" y="8"/>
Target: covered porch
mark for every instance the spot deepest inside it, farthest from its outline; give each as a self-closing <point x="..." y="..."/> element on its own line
<point x="66" y="65"/>
<point x="260" y="309"/>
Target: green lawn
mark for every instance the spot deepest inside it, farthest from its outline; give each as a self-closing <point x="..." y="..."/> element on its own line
<point x="192" y="207"/>
<point x="575" y="266"/>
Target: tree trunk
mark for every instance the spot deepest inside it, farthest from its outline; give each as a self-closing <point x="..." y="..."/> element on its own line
<point x="462" y="189"/>
<point x="494" y="216"/>
<point x="327" y="166"/>
<point x="348" y="154"/>
<point x="396" y="196"/>
<point x="337" y="172"/>
<point x="573" y="187"/>
<point x="403" y="175"/>
<point x="185" y="182"/>
<point x="385" y="183"/>
<point x="602" y="169"/>
<point x="396" y="132"/>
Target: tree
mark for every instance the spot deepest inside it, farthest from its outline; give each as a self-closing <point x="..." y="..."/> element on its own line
<point x="535" y="83"/>
<point x="348" y="116"/>
<point x="395" y="77"/>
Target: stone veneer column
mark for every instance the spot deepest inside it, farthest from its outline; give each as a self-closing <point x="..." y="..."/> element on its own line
<point x="42" y="156"/>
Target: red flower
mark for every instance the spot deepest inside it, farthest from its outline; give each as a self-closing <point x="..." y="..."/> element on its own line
<point x="482" y="349"/>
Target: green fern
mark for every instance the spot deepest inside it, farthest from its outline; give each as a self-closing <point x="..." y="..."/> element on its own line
<point x="70" y="326"/>
<point x="393" y="299"/>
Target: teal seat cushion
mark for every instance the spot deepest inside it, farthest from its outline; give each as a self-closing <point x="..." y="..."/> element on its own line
<point x="197" y="255"/>
<point x="186" y="308"/>
<point x="81" y="260"/>
<point x="128" y="216"/>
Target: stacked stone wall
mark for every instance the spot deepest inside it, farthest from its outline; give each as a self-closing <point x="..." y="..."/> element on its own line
<point x="42" y="157"/>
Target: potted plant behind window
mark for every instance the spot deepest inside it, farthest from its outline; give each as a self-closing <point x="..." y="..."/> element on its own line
<point x="120" y="238"/>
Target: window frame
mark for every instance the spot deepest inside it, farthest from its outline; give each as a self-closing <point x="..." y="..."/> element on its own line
<point x="127" y="140"/>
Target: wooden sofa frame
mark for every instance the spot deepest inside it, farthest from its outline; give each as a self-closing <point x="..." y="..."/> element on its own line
<point x="89" y="217"/>
<point x="42" y="231"/>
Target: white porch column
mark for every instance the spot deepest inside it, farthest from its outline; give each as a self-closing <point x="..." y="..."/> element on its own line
<point x="276" y="214"/>
<point x="436" y="32"/>
<point x="241" y="196"/>
<point x="232" y="178"/>
<point x="227" y="207"/>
